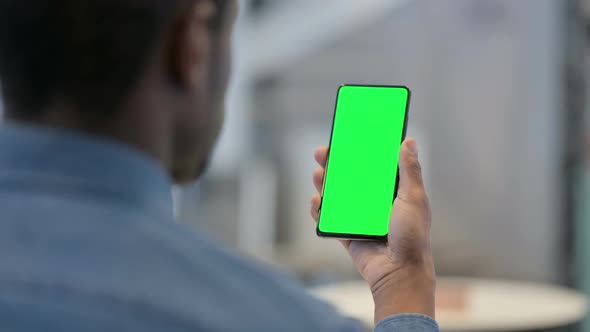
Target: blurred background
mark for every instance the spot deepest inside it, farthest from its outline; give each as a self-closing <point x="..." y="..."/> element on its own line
<point x="491" y="87"/>
<point x="498" y="108"/>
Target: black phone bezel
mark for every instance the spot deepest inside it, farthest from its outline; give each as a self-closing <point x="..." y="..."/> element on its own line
<point x="406" y="116"/>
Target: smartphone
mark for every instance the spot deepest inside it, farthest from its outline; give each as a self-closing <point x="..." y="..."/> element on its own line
<point x="362" y="177"/>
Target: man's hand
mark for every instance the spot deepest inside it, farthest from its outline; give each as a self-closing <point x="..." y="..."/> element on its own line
<point x="400" y="272"/>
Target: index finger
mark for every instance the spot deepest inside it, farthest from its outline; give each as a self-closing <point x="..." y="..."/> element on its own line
<point x="321" y="155"/>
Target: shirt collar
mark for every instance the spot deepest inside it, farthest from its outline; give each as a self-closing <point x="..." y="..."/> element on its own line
<point x="61" y="160"/>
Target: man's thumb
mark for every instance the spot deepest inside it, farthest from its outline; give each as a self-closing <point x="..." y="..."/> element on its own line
<point x="411" y="187"/>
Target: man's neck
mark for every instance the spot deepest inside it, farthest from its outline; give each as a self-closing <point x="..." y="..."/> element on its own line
<point x="126" y="126"/>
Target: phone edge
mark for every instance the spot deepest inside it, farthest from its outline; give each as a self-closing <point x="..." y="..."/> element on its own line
<point x="359" y="237"/>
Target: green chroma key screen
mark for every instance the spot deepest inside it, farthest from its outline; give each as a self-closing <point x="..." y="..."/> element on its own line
<point x="361" y="175"/>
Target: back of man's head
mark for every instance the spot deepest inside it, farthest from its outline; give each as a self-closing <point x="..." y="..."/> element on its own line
<point x="151" y="73"/>
<point x="89" y="52"/>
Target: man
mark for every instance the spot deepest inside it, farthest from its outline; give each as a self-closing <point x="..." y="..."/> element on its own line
<point x="109" y="101"/>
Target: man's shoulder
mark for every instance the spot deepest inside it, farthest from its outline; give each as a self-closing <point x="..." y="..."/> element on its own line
<point x="117" y="258"/>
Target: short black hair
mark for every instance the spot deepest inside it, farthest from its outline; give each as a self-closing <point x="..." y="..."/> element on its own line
<point x="89" y="52"/>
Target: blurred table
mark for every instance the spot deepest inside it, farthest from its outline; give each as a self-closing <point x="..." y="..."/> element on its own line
<point x="468" y="304"/>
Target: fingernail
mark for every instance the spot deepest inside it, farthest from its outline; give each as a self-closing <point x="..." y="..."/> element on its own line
<point x="413" y="146"/>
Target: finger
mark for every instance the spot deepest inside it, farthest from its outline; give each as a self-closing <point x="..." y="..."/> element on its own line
<point x="411" y="186"/>
<point x="318" y="179"/>
<point x="345" y="243"/>
<point x="321" y="155"/>
<point x="315" y="206"/>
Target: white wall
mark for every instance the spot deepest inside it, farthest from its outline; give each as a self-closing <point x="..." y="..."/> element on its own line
<point x="486" y="87"/>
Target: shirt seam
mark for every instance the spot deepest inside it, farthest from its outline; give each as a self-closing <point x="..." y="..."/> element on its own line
<point x="95" y="197"/>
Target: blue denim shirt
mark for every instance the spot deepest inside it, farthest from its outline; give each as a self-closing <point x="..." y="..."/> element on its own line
<point x="88" y="243"/>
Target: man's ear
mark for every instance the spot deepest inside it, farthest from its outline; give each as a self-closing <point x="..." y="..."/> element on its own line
<point x="189" y="53"/>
